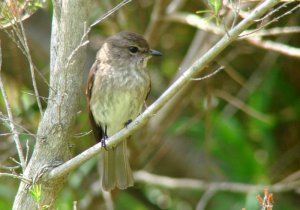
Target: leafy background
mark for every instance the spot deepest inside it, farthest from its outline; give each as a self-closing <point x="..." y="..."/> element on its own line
<point x="241" y="125"/>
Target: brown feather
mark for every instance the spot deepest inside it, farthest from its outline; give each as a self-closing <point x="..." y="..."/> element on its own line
<point x="97" y="130"/>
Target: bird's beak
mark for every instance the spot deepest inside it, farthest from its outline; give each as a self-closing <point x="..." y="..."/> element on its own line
<point x="154" y="52"/>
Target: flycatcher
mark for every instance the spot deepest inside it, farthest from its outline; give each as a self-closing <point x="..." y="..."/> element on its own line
<point x="118" y="84"/>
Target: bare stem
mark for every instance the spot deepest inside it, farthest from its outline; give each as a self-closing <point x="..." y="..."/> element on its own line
<point x="11" y="120"/>
<point x="23" y="39"/>
<point x="195" y="184"/>
<point x="15" y="176"/>
<point x="205" y="198"/>
<point x="32" y="70"/>
<point x="276" y="47"/>
<point x="252" y="36"/>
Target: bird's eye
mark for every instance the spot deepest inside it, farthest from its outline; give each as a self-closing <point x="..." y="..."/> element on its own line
<point x="133" y="49"/>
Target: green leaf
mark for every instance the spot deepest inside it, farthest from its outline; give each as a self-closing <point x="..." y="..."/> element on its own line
<point x="36" y="192"/>
<point x="216" y="5"/>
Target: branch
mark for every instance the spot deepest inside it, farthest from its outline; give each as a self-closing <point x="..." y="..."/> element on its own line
<point x="276" y="47"/>
<point x="275" y="31"/>
<point x="15" y="176"/>
<point x="195" y="184"/>
<point x="110" y="12"/>
<point x="18" y="35"/>
<point x="196" y="21"/>
<point x="141" y="120"/>
<point x="241" y="105"/>
<point x="31" y="67"/>
<point x="11" y="120"/>
<point x="208" y="194"/>
<point x="249" y="35"/>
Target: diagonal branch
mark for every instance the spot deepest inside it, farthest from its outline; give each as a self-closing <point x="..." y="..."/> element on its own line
<point x="196" y="67"/>
<point x="241" y="105"/>
<point x="252" y="36"/>
<point x="276" y="47"/>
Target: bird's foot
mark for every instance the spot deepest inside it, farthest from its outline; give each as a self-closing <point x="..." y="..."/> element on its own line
<point x="103" y="141"/>
<point x="128" y="122"/>
<point x="104" y="138"/>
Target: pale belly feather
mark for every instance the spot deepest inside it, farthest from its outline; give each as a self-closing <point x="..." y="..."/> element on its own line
<point x="115" y="113"/>
<point x="120" y="101"/>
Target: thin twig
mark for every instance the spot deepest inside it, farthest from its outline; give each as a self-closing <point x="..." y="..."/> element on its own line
<point x="273" y="20"/>
<point x="45" y="99"/>
<point x="32" y="71"/>
<point x="232" y="72"/>
<point x="205" y="198"/>
<point x="292" y="177"/>
<point x="16" y="35"/>
<point x="200" y="23"/>
<point x="174" y="6"/>
<point x="276" y="47"/>
<point x="10" y="117"/>
<point x="27" y="181"/>
<point x="81" y="134"/>
<point x="10" y="168"/>
<point x="196" y="21"/>
<point x="83" y="40"/>
<point x="268" y="15"/>
<point x="236" y="11"/>
<point x="27" y="152"/>
<point x="15" y="161"/>
<point x="242" y="106"/>
<point x="110" y="12"/>
<point x="273" y="31"/>
<point x="17" y="126"/>
<point x="209" y="75"/>
<point x="18" y="133"/>
<point x="23" y="39"/>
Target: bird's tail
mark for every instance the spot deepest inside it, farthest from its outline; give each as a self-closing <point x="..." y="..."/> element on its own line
<point x="115" y="168"/>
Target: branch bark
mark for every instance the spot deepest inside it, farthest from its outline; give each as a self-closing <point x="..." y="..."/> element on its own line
<point x="195" y="184"/>
<point x="66" y="82"/>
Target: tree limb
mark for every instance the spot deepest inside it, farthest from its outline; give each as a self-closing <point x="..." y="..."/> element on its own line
<point x="252" y="36"/>
<point x="195" y="184"/>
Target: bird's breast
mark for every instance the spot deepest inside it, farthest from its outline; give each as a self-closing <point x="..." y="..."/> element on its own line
<point x="118" y="97"/>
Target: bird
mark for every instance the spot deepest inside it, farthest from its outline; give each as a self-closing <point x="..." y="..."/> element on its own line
<point x="118" y="85"/>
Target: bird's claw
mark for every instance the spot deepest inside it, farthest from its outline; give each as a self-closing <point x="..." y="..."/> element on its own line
<point x="103" y="142"/>
<point x="104" y="138"/>
<point x="128" y="122"/>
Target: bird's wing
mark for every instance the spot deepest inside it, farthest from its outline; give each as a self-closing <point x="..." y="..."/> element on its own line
<point x="97" y="130"/>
